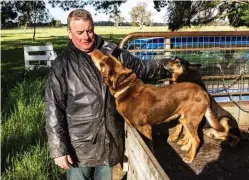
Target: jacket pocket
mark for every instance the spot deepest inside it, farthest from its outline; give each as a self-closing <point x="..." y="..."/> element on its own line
<point x="84" y="130"/>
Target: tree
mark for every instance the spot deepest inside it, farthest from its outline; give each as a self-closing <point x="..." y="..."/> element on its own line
<point x="189" y="13"/>
<point x="245" y="14"/>
<point x="55" y="23"/>
<point x="140" y="16"/>
<point x="24" y="12"/>
<point x="108" y="7"/>
<point x="7" y="13"/>
<point x="116" y="19"/>
<point x="179" y="13"/>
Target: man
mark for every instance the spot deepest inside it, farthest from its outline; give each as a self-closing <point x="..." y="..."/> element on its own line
<point x="85" y="132"/>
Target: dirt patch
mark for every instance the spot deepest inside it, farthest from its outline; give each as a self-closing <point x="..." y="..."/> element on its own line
<point x="215" y="159"/>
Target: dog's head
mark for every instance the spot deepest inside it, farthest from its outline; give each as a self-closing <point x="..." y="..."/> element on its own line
<point x="180" y="66"/>
<point x="175" y="67"/>
<point x="114" y="73"/>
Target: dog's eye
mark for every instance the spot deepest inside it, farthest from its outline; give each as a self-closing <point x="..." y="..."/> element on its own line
<point x="101" y="64"/>
<point x="178" y="65"/>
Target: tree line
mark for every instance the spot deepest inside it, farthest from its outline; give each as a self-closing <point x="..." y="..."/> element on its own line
<point x="57" y="24"/>
<point x="179" y="13"/>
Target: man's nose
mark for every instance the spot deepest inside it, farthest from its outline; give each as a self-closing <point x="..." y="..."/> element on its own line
<point x="85" y="35"/>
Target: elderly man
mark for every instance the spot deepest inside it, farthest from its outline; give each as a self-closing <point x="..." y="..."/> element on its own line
<point x="85" y="132"/>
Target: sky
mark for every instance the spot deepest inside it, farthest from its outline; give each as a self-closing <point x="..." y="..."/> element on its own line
<point x="125" y="9"/>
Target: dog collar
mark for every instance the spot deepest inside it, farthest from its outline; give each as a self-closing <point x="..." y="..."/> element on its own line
<point x="116" y="94"/>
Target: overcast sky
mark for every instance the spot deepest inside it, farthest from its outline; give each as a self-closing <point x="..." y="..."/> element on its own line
<point x="59" y="14"/>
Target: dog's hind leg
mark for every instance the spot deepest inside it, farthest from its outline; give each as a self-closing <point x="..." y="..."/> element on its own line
<point x="212" y="133"/>
<point x="173" y="137"/>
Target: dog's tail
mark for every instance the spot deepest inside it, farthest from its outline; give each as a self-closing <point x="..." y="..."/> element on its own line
<point x="220" y="130"/>
<point x="214" y="123"/>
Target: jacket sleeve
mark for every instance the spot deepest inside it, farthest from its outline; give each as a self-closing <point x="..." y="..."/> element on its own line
<point x="146" y="70"/>
<point x="55" y="100"/>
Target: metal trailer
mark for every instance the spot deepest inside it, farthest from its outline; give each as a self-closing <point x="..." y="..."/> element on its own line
<point x="225" y="71"/>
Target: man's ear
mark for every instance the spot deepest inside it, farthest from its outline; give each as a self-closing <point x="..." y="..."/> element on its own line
<point x="69" y="33"/>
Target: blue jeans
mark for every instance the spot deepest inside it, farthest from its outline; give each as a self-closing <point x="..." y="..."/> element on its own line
<point x="89" y="173"/>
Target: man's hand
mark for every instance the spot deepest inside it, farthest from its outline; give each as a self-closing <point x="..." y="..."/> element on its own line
<point x="63" y="161"/>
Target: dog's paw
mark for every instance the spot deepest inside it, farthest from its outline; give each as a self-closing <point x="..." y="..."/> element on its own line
<point x="188" y="159"/>
<point x="209" y="132"/>
<point x="213" y="134"/>
<point x="183" y="141"/>
<point x="186" y="147"/>
<point x="172" y="138"/>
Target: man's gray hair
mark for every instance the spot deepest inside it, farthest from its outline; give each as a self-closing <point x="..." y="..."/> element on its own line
<point x="77" y="15"/>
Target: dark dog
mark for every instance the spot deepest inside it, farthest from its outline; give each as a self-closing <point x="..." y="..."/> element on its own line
<point x="183" y="71"/>
<point x="143" y="105"/>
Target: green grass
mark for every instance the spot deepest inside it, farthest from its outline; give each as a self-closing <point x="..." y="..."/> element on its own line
<point x="23" y="138"/>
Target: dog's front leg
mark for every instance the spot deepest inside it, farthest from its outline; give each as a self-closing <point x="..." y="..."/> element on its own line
<point x="185" y="139"/>
<point x="192" y="144"/>
<point x="146" y="133"/>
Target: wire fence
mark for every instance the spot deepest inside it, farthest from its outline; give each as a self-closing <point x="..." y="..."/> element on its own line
<point x="224" y="56"/>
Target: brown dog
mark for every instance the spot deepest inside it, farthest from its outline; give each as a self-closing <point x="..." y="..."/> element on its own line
<point x="143" y="105"/>
<point x="183" y="71"/>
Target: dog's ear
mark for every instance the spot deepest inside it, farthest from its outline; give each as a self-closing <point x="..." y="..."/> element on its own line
<point x="178" y="61"/>
<point x="114" y="83"/>
<point x="176" y="57"/>
<point x="194" y="66"/>
<point x="184" y="62"/>
<point x="117" y="80"/>
<point x="102" y="67"/>
<point x="121" y="78"/>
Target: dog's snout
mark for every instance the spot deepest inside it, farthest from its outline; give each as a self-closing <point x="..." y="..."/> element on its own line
<point x="167" y="64"/>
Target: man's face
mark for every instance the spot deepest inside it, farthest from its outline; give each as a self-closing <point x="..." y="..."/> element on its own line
<point x="82" y="34"/>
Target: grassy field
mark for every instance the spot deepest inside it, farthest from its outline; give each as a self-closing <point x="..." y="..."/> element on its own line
<point x="23" y="139"/>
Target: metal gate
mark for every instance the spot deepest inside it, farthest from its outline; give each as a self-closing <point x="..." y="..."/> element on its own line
<point x="224" y="57"/>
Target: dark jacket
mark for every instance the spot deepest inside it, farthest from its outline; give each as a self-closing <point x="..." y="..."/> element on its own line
<point x="81" y="116"/>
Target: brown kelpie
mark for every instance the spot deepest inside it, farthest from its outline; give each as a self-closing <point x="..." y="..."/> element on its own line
<point x="143" y="105"/>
